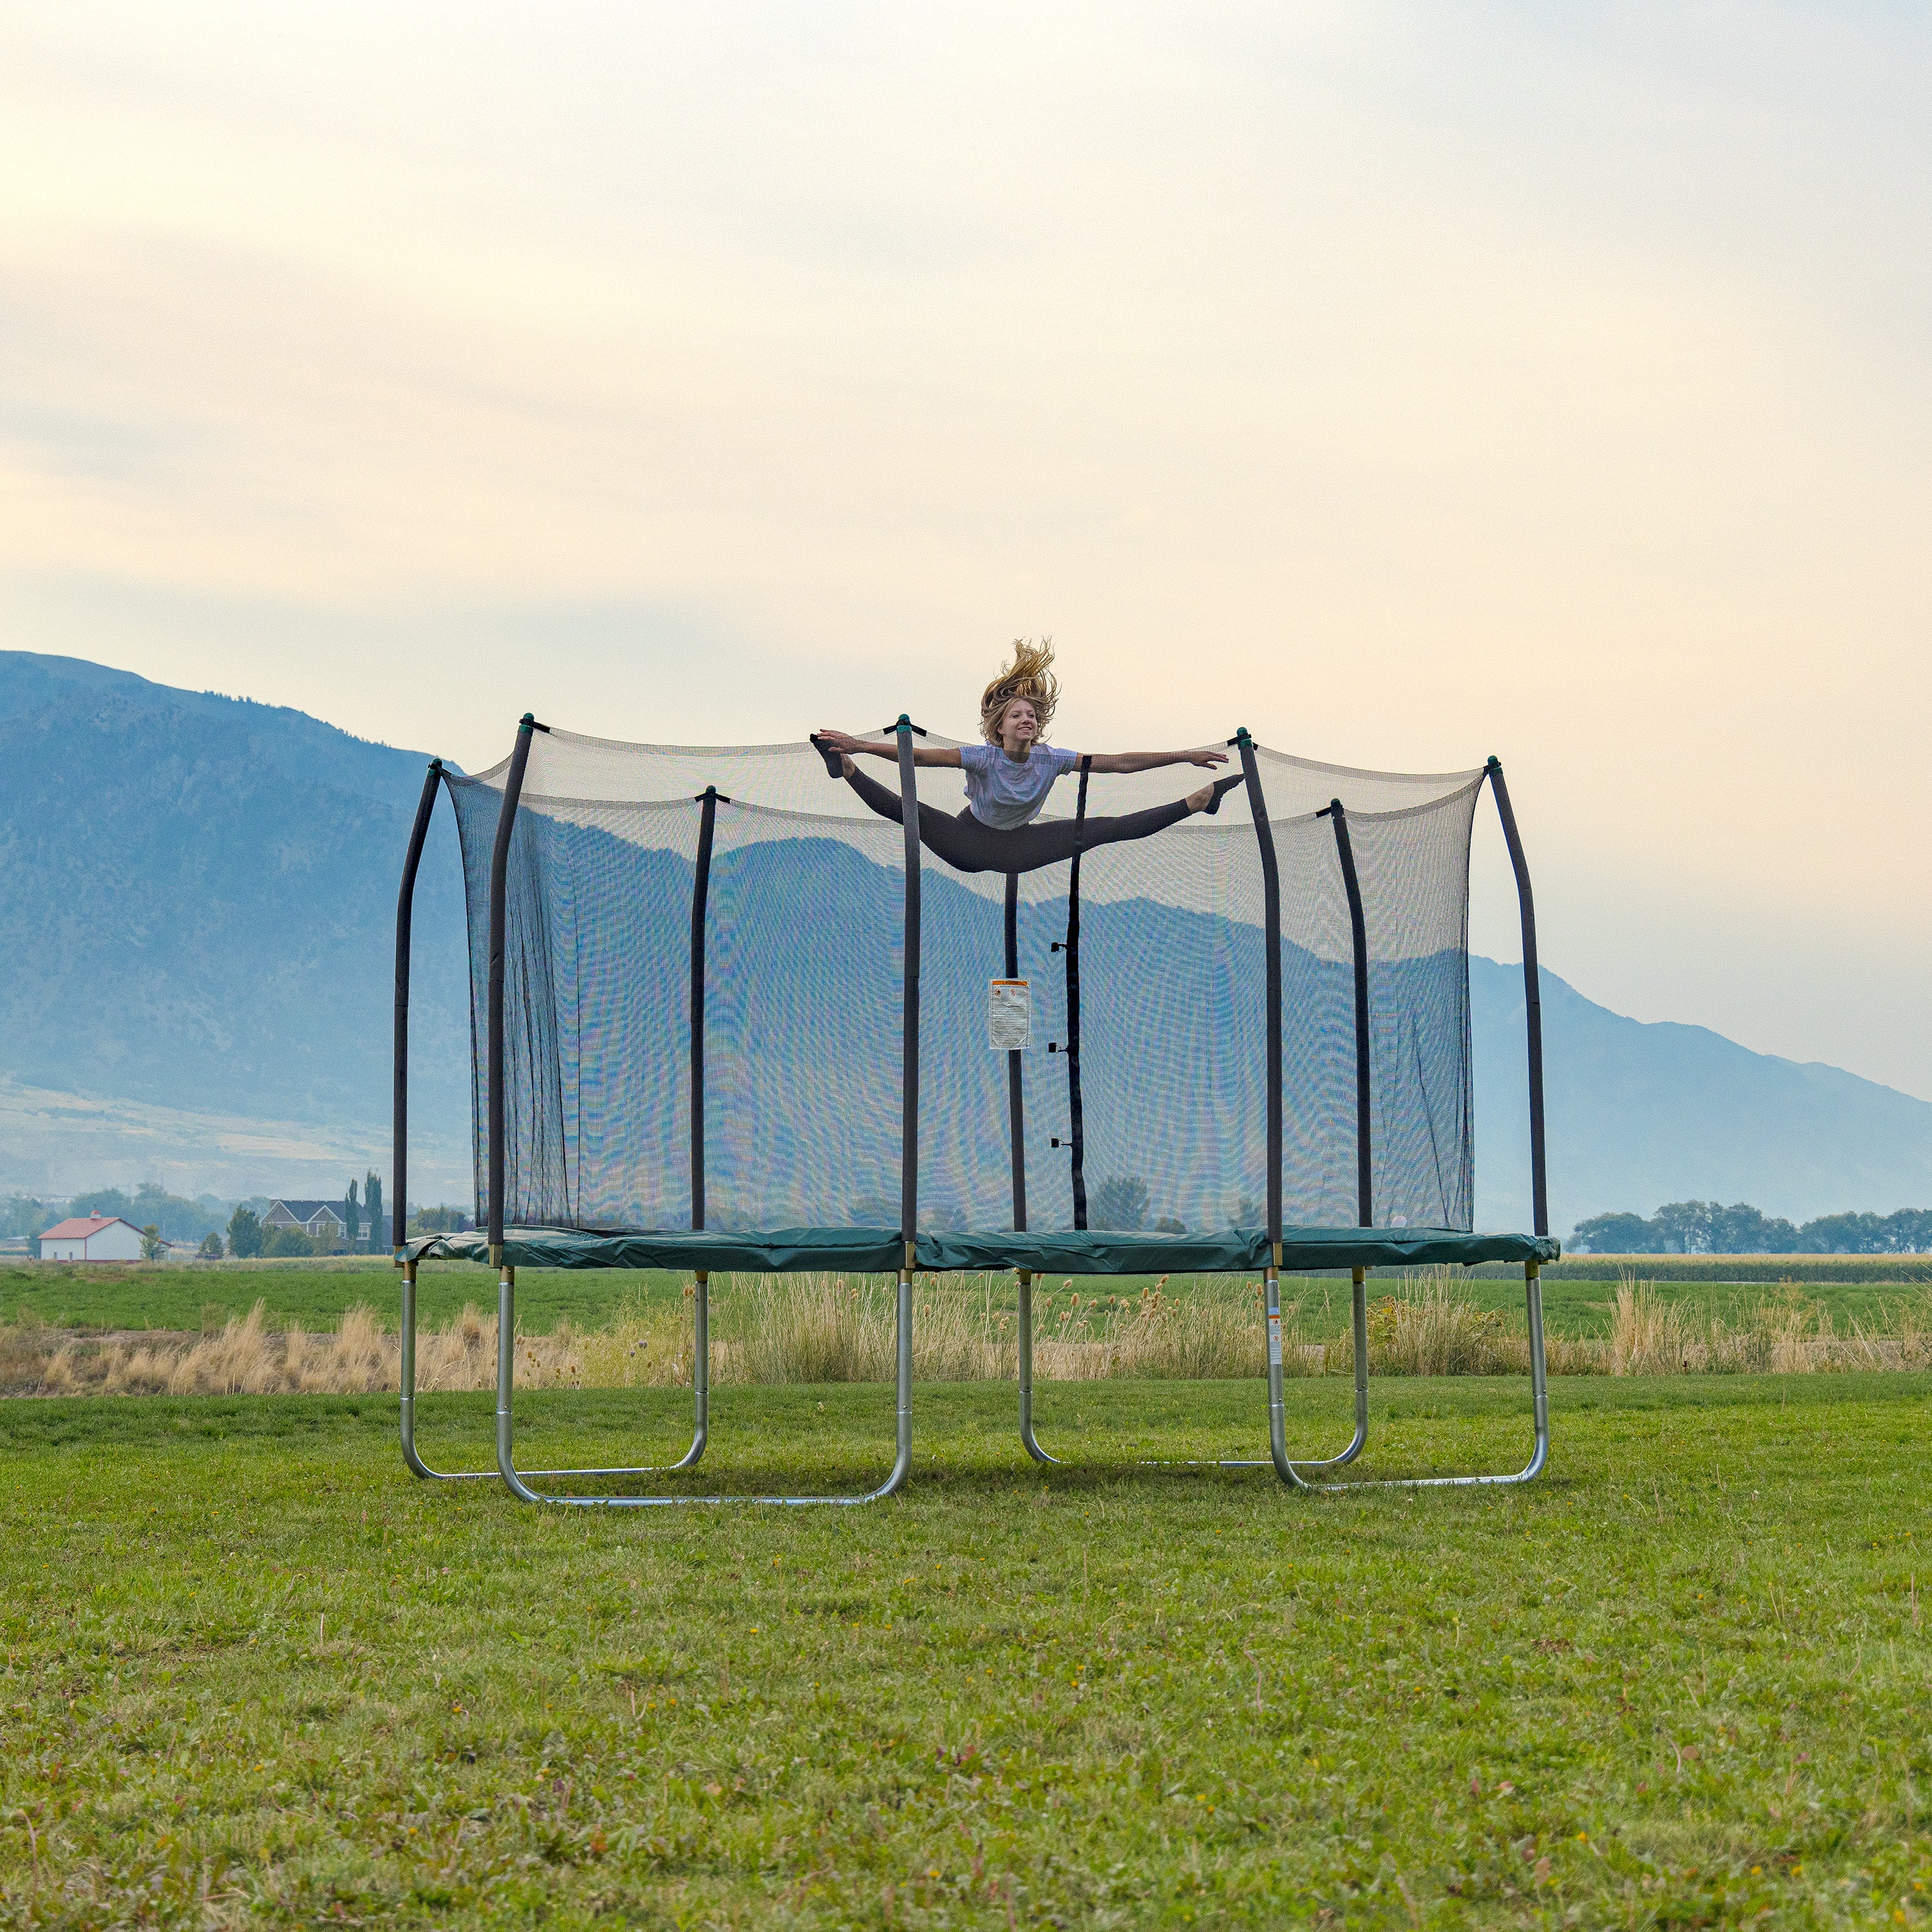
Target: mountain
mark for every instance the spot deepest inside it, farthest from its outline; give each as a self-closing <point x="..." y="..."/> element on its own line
<point x="1641" y="1113"/>
<point x="197" y="901"/>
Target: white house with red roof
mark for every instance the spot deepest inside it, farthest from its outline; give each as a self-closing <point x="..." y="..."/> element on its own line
<point x="92" y="1237"/>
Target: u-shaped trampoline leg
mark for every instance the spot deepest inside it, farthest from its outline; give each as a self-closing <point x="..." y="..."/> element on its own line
<point x="518" y="1487"/>
<point x="1039" y="1455"/>
<point x="1359" y="1316"/>
<point x="1539" y="1396"/>
<point x="1026" y="1436"/>
<point x="701" y="1385"/>
<point x="1277" y="1425"/>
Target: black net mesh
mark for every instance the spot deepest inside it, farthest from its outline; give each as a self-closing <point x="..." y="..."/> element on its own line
<point x="804" y="950"/>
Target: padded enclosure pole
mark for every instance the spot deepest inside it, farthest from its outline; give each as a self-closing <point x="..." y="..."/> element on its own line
<point x="909" y="1072"/>
<point x="1365" y="1167"/>
<point x="406" y="908"/>
<point x="1532" y="998"/>
<point x="1015" y="1075"/>
<point x="1271" y="916"/>
<point x="700" y="894"/>
<point x="1076" y="1111"/>
<point x="500" y="870"/>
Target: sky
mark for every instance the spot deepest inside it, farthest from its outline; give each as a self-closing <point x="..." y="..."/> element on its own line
<point x="1408" y="382"/>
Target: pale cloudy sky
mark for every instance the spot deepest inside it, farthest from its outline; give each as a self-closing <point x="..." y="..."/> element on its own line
<point x="1406" y="382"/>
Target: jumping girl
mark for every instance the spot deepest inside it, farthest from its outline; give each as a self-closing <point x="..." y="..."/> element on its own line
<point x="1008" y="776"/>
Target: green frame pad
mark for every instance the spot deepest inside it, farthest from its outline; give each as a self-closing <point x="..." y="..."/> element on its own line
<point x="881" y="1251"/>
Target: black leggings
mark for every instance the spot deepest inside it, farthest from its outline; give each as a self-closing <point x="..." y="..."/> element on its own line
<point x="968" y="844"/>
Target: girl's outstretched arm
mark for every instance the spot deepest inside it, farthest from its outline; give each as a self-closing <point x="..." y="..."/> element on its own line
<point x="884" y="748"/>
<point x="1147" y="761"/>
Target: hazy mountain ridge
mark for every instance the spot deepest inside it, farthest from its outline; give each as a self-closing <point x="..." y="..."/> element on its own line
<point x="197" y="899"/>
<point x="1641" y="1113"/>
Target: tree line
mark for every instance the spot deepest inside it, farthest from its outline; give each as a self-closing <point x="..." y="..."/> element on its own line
<point x="1709" y="1228"/>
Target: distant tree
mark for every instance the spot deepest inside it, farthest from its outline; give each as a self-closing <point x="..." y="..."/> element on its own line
<point x="1167" y="1225"/>
<point x="1740" y="1229"/>
<point x="875" y="1211"/>
<point x="19" y="1215"/>
<point x="244" y="1234"/>
<point x="152" y="1242"/>
<point x="287" y="1244"/>
<point x="1910" y="1230"/>
<point x="1250" y="1213"/>
<point x="178" y="1220"/>
<point x="372" y="1201"/>
<point x="352" y="1217"/>
<point x="1844" y="1235"/>
<point x="1120" y="1202"/>
<point x="210" y="1250"/>
<point x="447" y="1221"/>
<point x="1614" y="1234"/>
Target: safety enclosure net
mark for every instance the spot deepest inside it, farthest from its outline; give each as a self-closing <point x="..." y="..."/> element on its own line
<point x="1093" y="1035"/>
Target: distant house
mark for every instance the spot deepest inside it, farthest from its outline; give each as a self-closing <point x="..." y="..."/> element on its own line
<point x="92" y="1237"/>
<point x="321" y="1220"/>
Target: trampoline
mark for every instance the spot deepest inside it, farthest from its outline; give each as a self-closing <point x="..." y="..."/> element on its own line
<point x="726" y="1016"/>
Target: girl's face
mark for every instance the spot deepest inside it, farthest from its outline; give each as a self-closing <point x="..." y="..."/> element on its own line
<point x="1019" y="725"/>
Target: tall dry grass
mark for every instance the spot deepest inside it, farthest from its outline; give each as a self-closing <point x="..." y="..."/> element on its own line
<point x="827" y="1328"/>
<point x="1780" y="1334"/>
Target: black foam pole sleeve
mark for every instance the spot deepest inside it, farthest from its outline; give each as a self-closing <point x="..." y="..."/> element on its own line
<point x="909" y="1076"/>
<point x="700" y="895"/>
<point x="405" y="907"/>
<point x="1532" y="998"/>
<point x="1015" y="1072"/>
<point x="1365" y="1162"/>
<point x="1271" y="916"/>
<point x="500" y="871"/>
<point x="1076" y="1110"/>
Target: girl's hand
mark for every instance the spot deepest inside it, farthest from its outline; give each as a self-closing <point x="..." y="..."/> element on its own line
<point x="1208" y="757"/>
<point x="841" y="741"/>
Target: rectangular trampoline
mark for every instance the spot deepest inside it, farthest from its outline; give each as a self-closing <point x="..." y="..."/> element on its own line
<point x="727" y="1017"/>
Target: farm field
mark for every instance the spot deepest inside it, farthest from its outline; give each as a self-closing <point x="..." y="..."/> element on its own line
<point x="317" y="1295"/>
<point x="255" y="1674"/>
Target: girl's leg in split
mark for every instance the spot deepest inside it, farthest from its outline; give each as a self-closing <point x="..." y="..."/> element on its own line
<point x="967" y="846"/>
<point x="945" y="837"/>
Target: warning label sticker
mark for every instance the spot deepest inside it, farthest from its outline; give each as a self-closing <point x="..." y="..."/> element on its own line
<point x="1010" y="1015"/>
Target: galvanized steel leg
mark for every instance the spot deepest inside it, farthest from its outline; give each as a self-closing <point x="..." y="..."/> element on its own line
<point x="1539" y="1392"/>
<point x="1359" y="1310"/>
<point x="518" y="1487"/>
<point x="1277" y="1426"/>
<point x="1026" y="1436"/>
<point x="700" y="1385"/>
<point x="1027" y="1400"/>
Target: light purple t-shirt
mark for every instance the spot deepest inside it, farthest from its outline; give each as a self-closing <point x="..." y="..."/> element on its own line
<point x="1004" y="792"/>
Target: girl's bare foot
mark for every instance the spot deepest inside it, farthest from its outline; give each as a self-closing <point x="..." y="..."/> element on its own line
<point x="1199" y="801"/>
<point x="845" y="764"/>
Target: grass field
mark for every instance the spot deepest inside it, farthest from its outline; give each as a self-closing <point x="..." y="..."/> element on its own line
<point x="255" y="1674"/>
<point x="318" y="1294"/>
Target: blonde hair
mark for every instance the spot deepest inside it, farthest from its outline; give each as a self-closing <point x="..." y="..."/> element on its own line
<point x="1030" y="675"/>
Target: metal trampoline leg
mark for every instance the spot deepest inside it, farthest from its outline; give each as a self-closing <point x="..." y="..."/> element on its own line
<point x="1277" y="1428"/>
<point x="700" y="1385"/>
<point x="1026" y="1436"/>
<point x="1039" y="1455"/>
<point x="518" y="1487"/>
<point x="1539" y="1392"/>
<point x="1359" y="1311"/>
<point x="700" y="1371"/>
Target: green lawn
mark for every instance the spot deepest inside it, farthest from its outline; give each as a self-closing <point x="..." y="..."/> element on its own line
<point x="315" y="1294"/>
<point x="254" y="1674"/>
